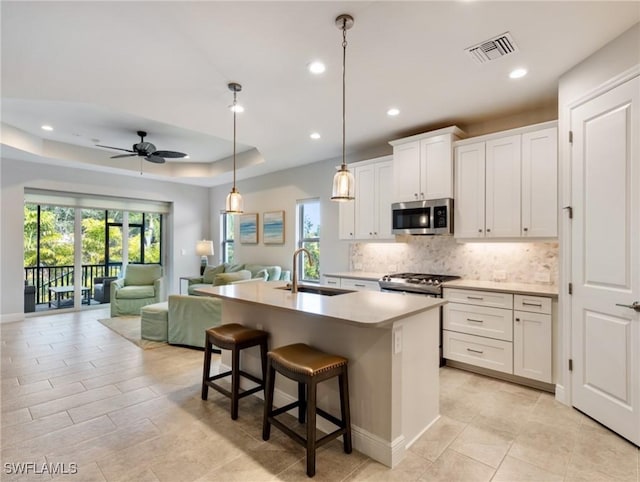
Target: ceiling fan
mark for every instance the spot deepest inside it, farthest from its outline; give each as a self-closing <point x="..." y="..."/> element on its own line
<point x="146" y="150"/>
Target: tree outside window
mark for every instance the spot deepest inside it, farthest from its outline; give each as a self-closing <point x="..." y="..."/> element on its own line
<point x="308" y="234"/>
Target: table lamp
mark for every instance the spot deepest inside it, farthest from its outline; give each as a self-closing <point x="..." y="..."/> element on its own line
<point x="204" y="248"/>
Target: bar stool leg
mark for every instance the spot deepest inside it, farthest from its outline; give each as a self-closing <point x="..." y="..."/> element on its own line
<point x="206" y="369"/>
<point x="263" y="359"/>
<point x="344" y="408"/>
<point x="268" y="401"/>
<point x="235" y="382"/>
<point x="302" y="402"/>
<point x="311" y="428"/>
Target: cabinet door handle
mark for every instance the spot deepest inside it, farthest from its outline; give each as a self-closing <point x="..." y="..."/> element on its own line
<point x="525" y="229"/>
<point x="359" y="285"/>
<point x="488" y="230"/>
<point x="475" y="351"/>
<point x="479" y="230"/>
<point x="332" y="282"/>
<point x="415" y="194"/>
<point x="375" y="233"/>
<point x="517" y="319"/>
<point x="422" y="195"/>
<point x="475" y="298"/>
<point x="475" y="321"/>
<point x="525" y="303"/>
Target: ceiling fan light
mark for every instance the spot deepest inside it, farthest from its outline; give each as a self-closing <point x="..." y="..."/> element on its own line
<point x="343" y="185"/>
<point x="234" y="204"/>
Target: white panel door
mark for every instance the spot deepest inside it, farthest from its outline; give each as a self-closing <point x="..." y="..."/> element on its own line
<point x="436" y="167"/>
<point x="365" y="201"/>
<point x="605" y="253"/>
<point x="540" y="183"/>
<point x="503" y="187"/>
<point x="406" y="172"/>
<point x="383" y="180"/>
<point x="468" y="221"/>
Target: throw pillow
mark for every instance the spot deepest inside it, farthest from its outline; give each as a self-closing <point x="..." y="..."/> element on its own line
<point x="262" y="274"/>
<point x="210" y="272"/>
<point x="226" y="278"/>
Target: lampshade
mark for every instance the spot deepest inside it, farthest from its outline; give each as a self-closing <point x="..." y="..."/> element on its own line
<point x="234" y="203"/>
<point x="343" y="185"/>
<point x="204" y="248"/>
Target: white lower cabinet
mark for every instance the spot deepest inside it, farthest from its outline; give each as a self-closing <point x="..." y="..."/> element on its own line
<point x="482" y="328"/>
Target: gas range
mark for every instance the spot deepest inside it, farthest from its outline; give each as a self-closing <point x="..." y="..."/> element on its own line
<point x="427" y="284"/>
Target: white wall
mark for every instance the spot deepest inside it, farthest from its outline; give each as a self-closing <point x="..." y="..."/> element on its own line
<point x="188" y="222"/>
<point x="280" y="191"/>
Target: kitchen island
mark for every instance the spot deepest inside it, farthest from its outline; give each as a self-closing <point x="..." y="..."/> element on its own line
<point x="391" y="341"/>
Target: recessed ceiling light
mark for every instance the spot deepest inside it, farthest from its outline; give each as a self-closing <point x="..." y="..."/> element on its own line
<point x="393" y="112"/>
<point x="237" y="108"/>
<point x="517" y="73"/>
<point x="46" y="128"/>
<point x="314" y="135"/>
<point x="316" y="67"/>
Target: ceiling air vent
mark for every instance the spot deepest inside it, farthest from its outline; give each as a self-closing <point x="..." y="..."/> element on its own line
<point x="493" y="48"/>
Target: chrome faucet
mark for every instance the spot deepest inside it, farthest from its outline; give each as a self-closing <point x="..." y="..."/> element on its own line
<point x="294" y="281"/>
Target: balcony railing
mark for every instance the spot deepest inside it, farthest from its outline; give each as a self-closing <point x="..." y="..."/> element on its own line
<point x="45" y="277"/>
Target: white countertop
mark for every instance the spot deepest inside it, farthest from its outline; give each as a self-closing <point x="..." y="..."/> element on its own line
<point x="370" y="308"/>
<point x="504" y="287"/>
<point x="364" y="275"/>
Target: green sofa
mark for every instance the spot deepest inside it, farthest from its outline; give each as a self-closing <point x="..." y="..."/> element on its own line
<point x="141" y="285"/>
<point x="230" y="273"/>
<point x="183" y="319"/>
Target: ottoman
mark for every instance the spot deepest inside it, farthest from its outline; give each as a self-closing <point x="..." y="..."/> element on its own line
<point x="154" y="321"/>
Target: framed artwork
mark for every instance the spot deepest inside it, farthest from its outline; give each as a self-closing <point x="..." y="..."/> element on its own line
<point x="273" y="227"/>
<point x="249" y="228"/>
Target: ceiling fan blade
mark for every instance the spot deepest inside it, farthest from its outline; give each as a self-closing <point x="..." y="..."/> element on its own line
<point x="170" y="154"/>
<point x="155" y="159"/>
<point x="116" y="148"/>
<point x="123" y="155"/>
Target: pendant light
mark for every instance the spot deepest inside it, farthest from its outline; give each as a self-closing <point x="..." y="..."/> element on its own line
<point x="343" y="181"/>
<point x="233" y="204"/>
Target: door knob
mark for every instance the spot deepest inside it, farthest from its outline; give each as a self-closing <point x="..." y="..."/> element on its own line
<point x="634" y="306"/>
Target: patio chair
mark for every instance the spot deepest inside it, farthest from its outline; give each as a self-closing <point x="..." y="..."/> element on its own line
<point x="102" y="288"/>
<point x="142" y="285"/>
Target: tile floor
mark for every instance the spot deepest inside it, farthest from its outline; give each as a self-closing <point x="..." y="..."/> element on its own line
<point x="74" y="392"/>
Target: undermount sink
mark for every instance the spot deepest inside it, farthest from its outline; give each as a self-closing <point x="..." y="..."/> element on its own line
<point x="318" y="290"/>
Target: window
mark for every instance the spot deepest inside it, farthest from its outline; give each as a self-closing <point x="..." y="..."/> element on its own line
<point x="308" y="234"/>
<point x="227" y="224"/>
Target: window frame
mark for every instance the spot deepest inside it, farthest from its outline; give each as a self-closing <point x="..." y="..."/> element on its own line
<point x="227" y="237"/>
<point x="301" y="239"/>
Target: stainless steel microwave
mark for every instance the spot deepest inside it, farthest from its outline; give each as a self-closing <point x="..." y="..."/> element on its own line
<point x="433" y="216"/>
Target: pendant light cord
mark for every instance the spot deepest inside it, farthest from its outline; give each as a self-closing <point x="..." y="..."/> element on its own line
<point x="344" y="69"/>
<point x="234" y="140"/>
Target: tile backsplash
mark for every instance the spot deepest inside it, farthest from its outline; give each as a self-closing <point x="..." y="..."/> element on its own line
<point x="516" y="262"/>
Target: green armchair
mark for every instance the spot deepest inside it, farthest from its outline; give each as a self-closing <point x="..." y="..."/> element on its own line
<point x="142" y="285"/>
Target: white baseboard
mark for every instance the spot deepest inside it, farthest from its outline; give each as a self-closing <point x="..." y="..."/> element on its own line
<point x="387" y="453"/>
<point x="11" y="317"/>
<point x="561" y="394"/>
<point x="411" y="442"/>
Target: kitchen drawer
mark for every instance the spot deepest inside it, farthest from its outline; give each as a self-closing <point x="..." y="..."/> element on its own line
<point x="331" y="281"/>
<point x="479" y="320"/>
<point x="479" y="351"/>
<point x="358" y="284"/>
<point x="533" y="304"/>
<point x="482" y="298"/>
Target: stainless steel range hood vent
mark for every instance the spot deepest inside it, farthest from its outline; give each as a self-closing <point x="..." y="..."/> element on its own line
<point x="493" y="49"/>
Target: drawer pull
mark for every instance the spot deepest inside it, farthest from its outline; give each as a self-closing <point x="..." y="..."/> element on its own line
<point x="475" y="351"/>
<point x="332" y="282"/>
<point x="475" y="321"/>
<point x="475" y="298"/>
<point x="359" y="285"/>
<point x="526" y="303"/>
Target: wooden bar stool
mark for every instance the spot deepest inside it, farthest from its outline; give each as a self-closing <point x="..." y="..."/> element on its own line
<point x="308" y="366"/>
<point x="233" y="337"/>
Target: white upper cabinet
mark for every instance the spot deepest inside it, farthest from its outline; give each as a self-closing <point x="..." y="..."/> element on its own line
<point x="506" y="184"/>
<point x="502" y="195"/>
<point x="468" y="219"/>
<point x="373" y="201"/>
<point x="540" y="183"/>
<point x="369" y="216"/>
<point x="423" y="165"/>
